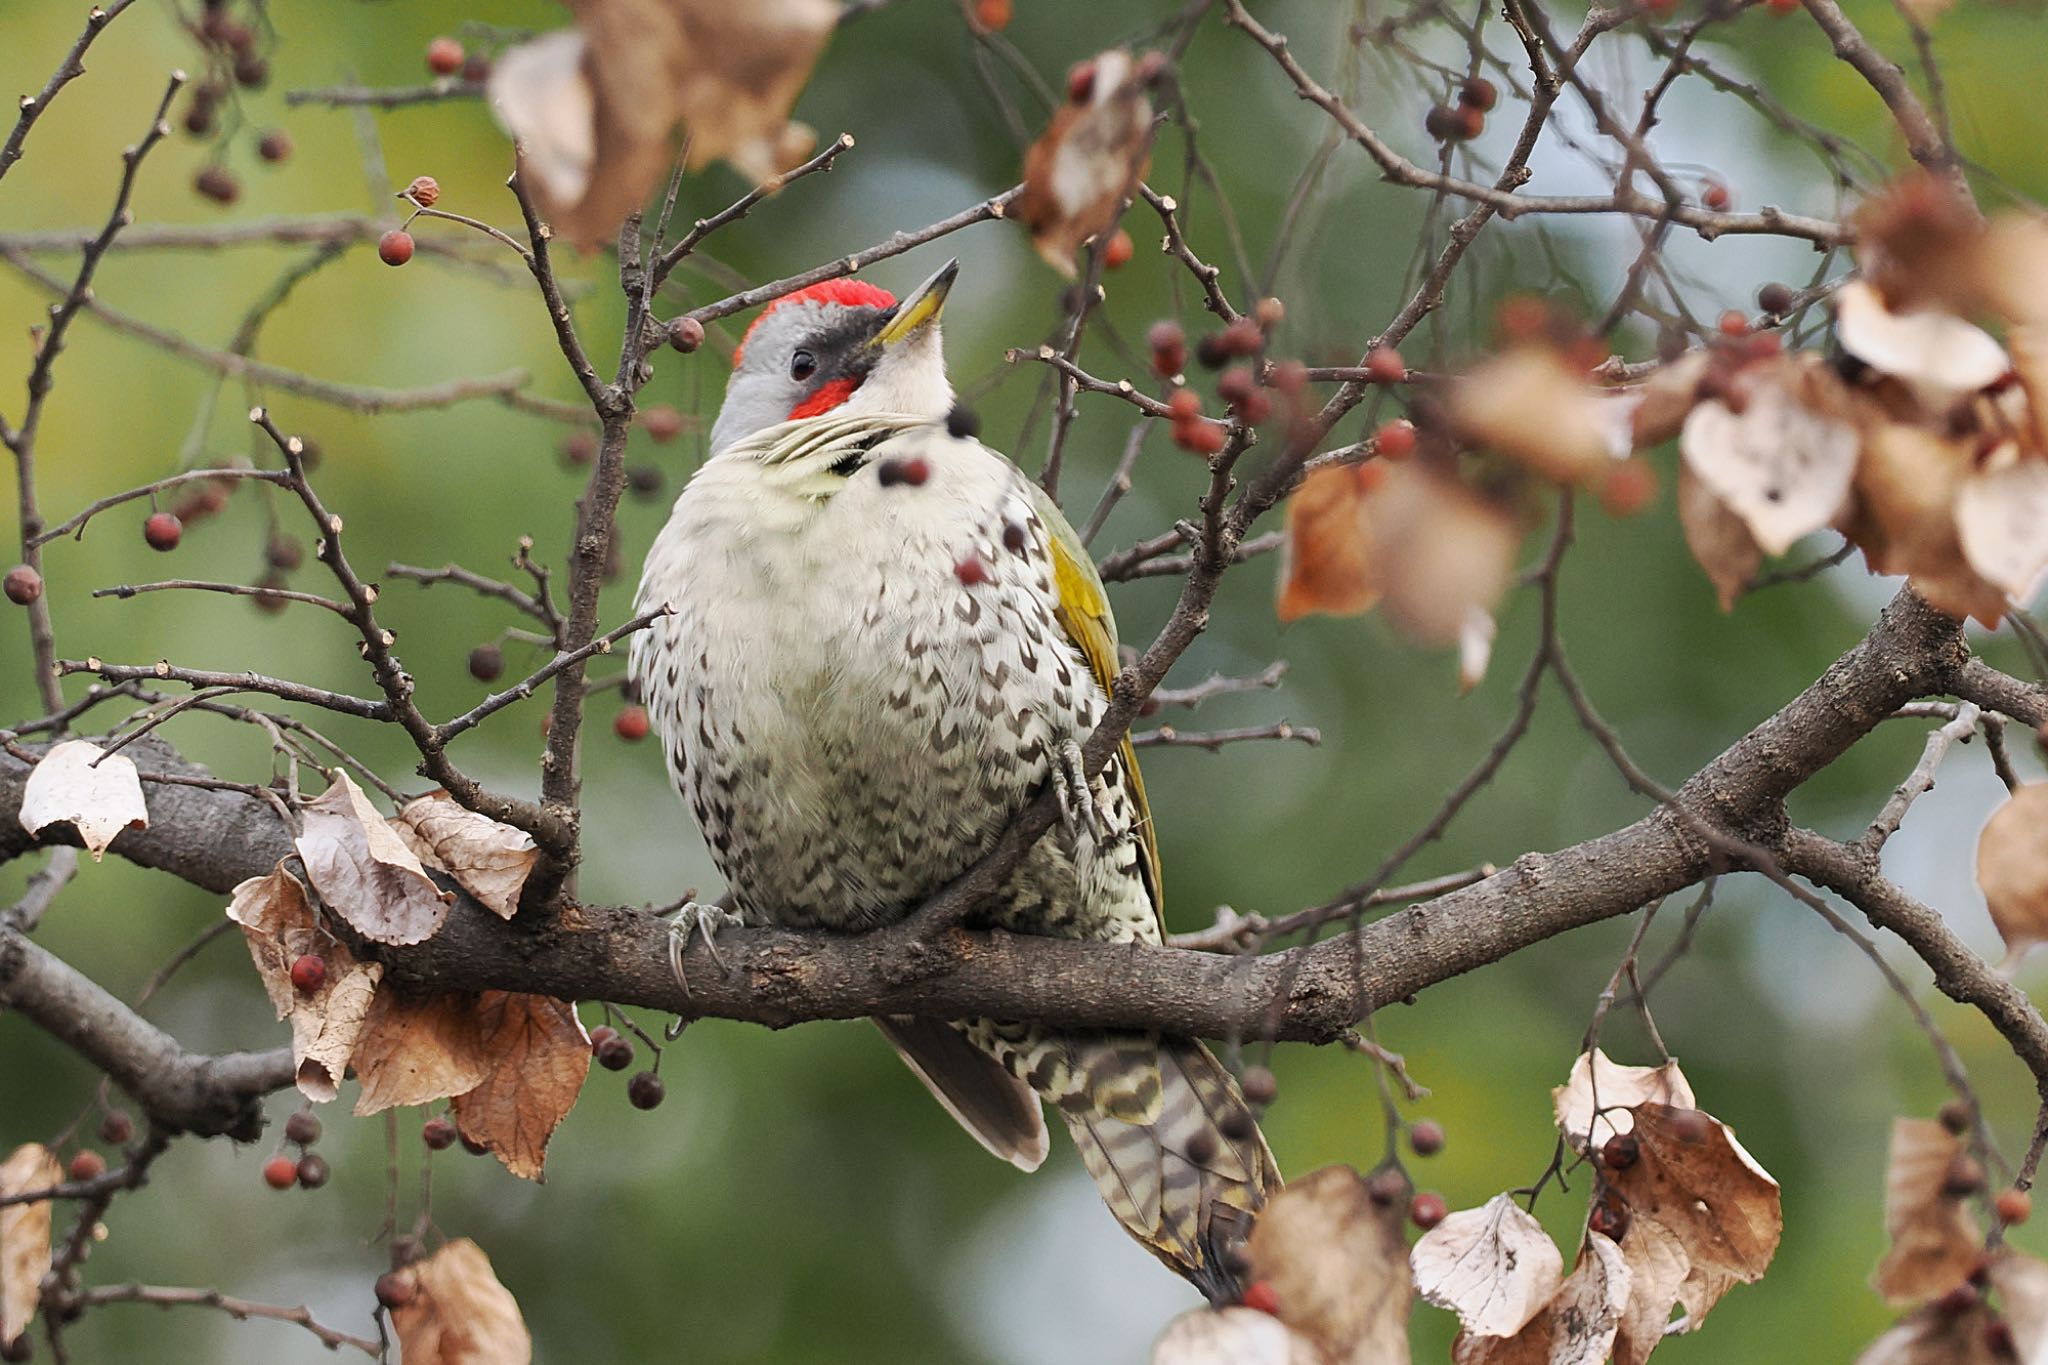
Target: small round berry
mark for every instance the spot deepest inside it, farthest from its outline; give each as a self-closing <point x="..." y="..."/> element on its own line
<point x="579" y="448"/>
<point x="1260" y="1295"/>
<point x="1965" y="1177"/>
<point x="1269" y="313"/>
<point x="1169" y="346"/>
<point x="1260" y="1086"/>
<point x="631" y="724"/>
<point x="1620" y="1152"/>
<point x="199" y="120"/>
<point x="1201" y="1147"/>
<point x="1426" y="1136"/>
<point x="1254" y="408"/>
<point x="1235" y="384"/>
<point x="269" y="596"/>
<point x="23" y="585"/>
<point x="472" y="1146"/>
<point x="1237" y="1125"/>
<point x="1956" y="1116"/>
<point x="1715" y="196"/>
<point x="1243" y="337"/>
<point x="1185" y="405"/>
<point x="1689" y="1125"/>
<point x="275" y="146"/>
<point x="1442" y="123"/>
<point x="218" y="184"/>
<point x="614" y="1053"/>
<point x="645" y="1090"/>
<point x="1628" y="487"/>
<point x="1081" y="82"/>
<point x="395" y="1289"/>
<point x="2014" y="1207"/>
<point x="1198" y="437"/>
<point x="444" y="56"/>
<point x="1118" y="250"/>
<point x="1427" y="1209"/>
<point x="280" y="1172"/>
<point x="1386" y="1185"/>
<point x="1289" y="377"/>
<point x="662" y="422"/>
<point x="309" y="973"/>
<point x="1775" y="299"/>
<point x="1609" y="1219"/>
<point x="971" y="570"/>
<point x="911" y="472"/>
<point x="312" y="1171"/>
<point x="163" y="530"/>
<point x="1395" y="440"/>
<point x="476" y="68"/>
<point x="994" y="15"/>
<point x="1211" y="351"/>
<point x="284" y="552"/>
<point x="303" y="1127"/>
<point x="644" y="480"/>
<point x="395" y="247"/>
<point x="424" y="191"/>
<point x="1471" y="122"/>
<point x="1478" y="93"/>
<point x="251" y="72"/>
<point x="1383" y="365"/>
<point x="486" y="663"/>
<point x="117" y="1126"/>
<point x="438" y="1133"/>
<point x="86" y="1164"/>
<point x="599" y="1034"/>
<point x="1733" y="323"/>
<point x="686" y="334"/>
<point x="963" y="423"/>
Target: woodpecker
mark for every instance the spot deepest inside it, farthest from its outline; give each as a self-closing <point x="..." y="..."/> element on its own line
<point x="884" y="641"/>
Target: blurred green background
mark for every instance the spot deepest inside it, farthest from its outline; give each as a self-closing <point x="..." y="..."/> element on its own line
<point x="799" y="1198"/>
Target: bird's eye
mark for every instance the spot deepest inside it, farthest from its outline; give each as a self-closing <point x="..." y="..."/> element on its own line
<point x="802" y="365"/>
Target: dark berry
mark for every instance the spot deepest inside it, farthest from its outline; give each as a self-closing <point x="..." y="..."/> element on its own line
<point x="579" y="448"/>
<point x="662" y="422"/>
<point x="280" y="1172"/>
<point x="1478" y="93"/>
<point x="1260" y="1085"/>
<point x="614" y="1053"/>
<point x="486" y="663"/>
<point x="163" y="531"/>
<point x="1609" y="1219"/>
<point x="645" y="1090"/>
<point x="1956" y="1116"/>
<point x="312" y="1171"/>
<point x="251" y="72"/>
<point x="911" y="472"/>
<point x="303" y="1127"/>
<point x="686" y="334"/>
<point x="1386" y="1185"/>
<point x="218" y="184"/>
<point x="962" y="423"/>
<point x="1169" y="348"/>
<point x="23" y="585"/>
<point x="476" y="68"/>
<point x="284" y="552"/>
<point x="275" y="146"/>
<point x="1426" y="1136"/>
<point x="86" y="1164"/>
<point x="1442" y="123"/>
<point x="444" y="56"/>
<point x="1427" y="1209"/>
<point x="599" y="1034"/>
<point x="438" y="1133"/>
<point x="395" y="247"/>
<point x="116" y="1126"/>
<point x="309" y="973"/>
<point x="631" y="724"/>
<point x="644" y="480"/>
<point x="1211" y="351"/>
<point x="1965" y="1177"/>
<point x="395" y="1289"/>
<point x="1775" y="299"/>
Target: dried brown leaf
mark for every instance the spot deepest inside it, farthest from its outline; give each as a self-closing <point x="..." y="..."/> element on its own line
<point x="1441" y="552"/>
<point x="2021" y="1283"/>
<point x="539" y="1057"/>
<point x="1326" y="560"/>
<point x="1785" y="461"/>
<point x="1494" y="1266"/>
<point x="1338" y="1265"/>
<point x="279" y="923"/>
<point x="80" y="784"/>
<point x="2012" y="268"/>
<point x="1532" y="407"/>
<point x="24" y="1236"/>
<point x="1598" y="1096"/>
<point x="1232" y="1336"/>
<point x="489" y="860"/>
<point x="1904" y="517"/>
<point x="2012" y="868"/>
<point x="1658" y="1271"/>
<point x="1695" y="1179"/>
<point x="2002" y="525"/>
<point x="416" y="1051"/>
<point x="1088" y="161"/>
<point x="459" y="1313"/>
<point x="1719" y="540"/>
<point x="364" y="872"/>
<point x="1935" y="1242"/>
<point x="1938" y="355"/>
<point x="1665" y="398"/>
<point x="1933" y="1337"/>
<point x="1577" y="1326"/>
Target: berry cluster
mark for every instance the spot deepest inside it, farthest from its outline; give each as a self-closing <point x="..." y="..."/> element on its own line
<point x="308" y="1170"/>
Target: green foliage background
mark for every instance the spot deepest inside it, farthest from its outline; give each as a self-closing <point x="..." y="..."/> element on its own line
<point x="798" y="1198"/>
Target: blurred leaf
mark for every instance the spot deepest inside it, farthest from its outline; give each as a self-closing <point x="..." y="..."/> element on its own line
<point x="2012" y="868"/>
<point x="79" y="783"/>
<point x="1231" y="1336"/>
<point x="1090" y="157"/>
<point x="1338" y="1264"/>
<point x="24" y="1236"/>
<point x="459" y="1313"/>
<point x="1782" y="459"/>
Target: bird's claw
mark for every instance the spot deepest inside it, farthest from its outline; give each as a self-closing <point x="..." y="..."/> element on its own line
<point x="1070" y="783"/>
<point x="691" y="919"/>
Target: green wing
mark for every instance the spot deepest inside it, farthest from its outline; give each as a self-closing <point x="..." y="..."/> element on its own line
<point x="1084" y="614"/>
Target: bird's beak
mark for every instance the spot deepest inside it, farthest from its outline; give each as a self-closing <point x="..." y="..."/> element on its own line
<point x="920" y="310"/>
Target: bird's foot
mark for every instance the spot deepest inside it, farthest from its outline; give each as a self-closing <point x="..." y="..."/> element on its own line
<point x="1070" y="783"/>
<point x="688" y="921"/>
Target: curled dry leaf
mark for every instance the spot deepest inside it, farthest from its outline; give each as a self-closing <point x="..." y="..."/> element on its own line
<point x="81" y="784"/>
<point x="2012" y="868"/>
<point x="1599" y="1095"/>
<point x="24" y="1236"/>
<point x="1326" y="559"/>
<point x="2002" y="525"/>
<point x="1660" y="1278"/>
<point x="489" y="860"/>
<point x="1531" y="406"/>
<point x="1089" y="160"/>
<point x="1784" y="462"/>
<point x="1935" y="1241"/>
<point x="596" y="110"/>
<point x="1933" y="1337"/>
<point x="1232" y="1336"/>
<point x="1665" y="397"/>
<point x="364" y="871"/>
<point x="416" y="1051"/>
<point x="1577" y="1326"/>
<point x="1493" y="1266"/>
<point x="1936" y="354"/>
<point x="1440" y="551"/>
<point x="280" y="926"/>
<point x="2012" y="268"/>
<point x="1904" y="518"/>
<point x="1338" y="1265"/>
<point x="539" y="1056"/>
<point x="459" y="1314"/>
<point x="1719" y="540"/>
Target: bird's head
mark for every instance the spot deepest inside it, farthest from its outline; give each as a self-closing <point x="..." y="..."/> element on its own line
<point x="844" y="346"/>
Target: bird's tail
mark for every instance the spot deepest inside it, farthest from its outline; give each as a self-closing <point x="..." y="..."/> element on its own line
<point x="1165" y="1132"/>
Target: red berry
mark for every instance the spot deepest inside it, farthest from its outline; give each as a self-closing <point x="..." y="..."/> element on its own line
<point x="1235" y="384"/>
<point x="23" y="585"/>
<point x="1184" y="405"/>
<point x="1383" y="365"/>
<point x="599" y="1034"/>
<point x="662" y="422"/>
<point x="1734" y="323"/>
<point x="1442" y="122"/>
<point x="395" y="247"/>
<point x="444" y="56"/>
<point x="438" y="1133"/>
<point x="971" y="570"/>
<point x="1609" y="1219"/>
<point x="1169" y="348"/>
<point x="994" y="15"/>
<point x="309" y="973"/>
<point x="312" y="1171"/>
<point x="1781" y="6"/>
<point x="163" y="531"/>
<point x="2014" y="1207"/>
<point x="1427" y="1209"/>
<point x="1081" y="82"/>
<point x="1620" y="1152"/>
<point x="631" y="724"/>
<point x="1628" y="487"/>
<point x="280" y="1172"/>
<point x="1426" y="1136"/>
<point x="1117" y="252"/>
<point x="1471" y="121"/>
<point x="912" y="471"/>
<point x="86" y="1164"/>
<point x="1260" y="1294"/>
<point x="116" y="1126"/>
<point x="614" y="1053"/>
<point x="686" y="334"/>
<point x="1478" y="93"/>
<point x="395" y="1288"/>
<point x="303" y="1127"/>
<point x="645" y="1090"/>
<point x="1289" y="377"/>
<point x="218" y="184"/>
<point x="275" y="146"/>
<point x="1395" y="440"/>
<point x="1254" y="408"/>
<point x="1243" y="337"/>
<point x="1716" y="196"/>
<point x="579" y="448"/>
<point x="1198" y="437"/>
<point x="1260" y="1085"/>
<point x="1522" y="317"/>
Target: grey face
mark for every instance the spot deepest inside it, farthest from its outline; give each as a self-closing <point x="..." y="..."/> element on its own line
<point x="805" y="358"/>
